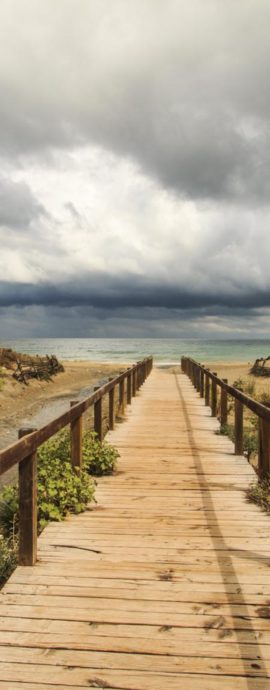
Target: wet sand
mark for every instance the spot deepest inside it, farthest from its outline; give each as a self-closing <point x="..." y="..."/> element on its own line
<point x="39" y="401"/>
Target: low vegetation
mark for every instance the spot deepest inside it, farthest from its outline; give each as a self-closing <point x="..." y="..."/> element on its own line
<point x="259" y="493"/>
<point x="61" y="489"/>
<point x="246" y="386"/>
<point x="250" y="440"/>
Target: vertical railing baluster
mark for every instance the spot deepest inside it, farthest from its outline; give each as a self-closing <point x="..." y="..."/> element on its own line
<point x="264" y="448"/>
<point x="98" y="417"/>
<point x="27" y="506"/>
<point x="76" y="439"/>
<point x="121" y="409"/>
<point x="134" y="382"/>
<point x="129" y="388"/>
<point x="223" y="405"/>
<point x="214" y="397"/>
<point x="201" y="383"/>
<point x="238" y="427"/>
<point x="111" y="408"/>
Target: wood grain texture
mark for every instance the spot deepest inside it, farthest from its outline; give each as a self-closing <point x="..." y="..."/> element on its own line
<point x="165" y="584"/>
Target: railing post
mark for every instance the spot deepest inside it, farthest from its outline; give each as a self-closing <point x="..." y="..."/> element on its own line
<point x="198" y="378"/>
<point x="134" y="382"/>
<point x="264" y="448"/>
<point x="202" y="384"/>
<point x="28" y="506"/>
<point x="111" y="407"/>
<point x="214" y="397"/>
<point x="223" y="405"/>
<point x="195" y="376"/>
<point x="238" y="427"/>
<point x="138" y="376"/>
<point x="207" y="388"/>
<point x="98" y="416"/>
<point x="76" y="439"/>
<point x="129" y="388"/>
<point x="121" y="397"/>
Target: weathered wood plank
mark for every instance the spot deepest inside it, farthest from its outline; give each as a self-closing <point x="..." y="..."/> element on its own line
<point x="165" y="583"/>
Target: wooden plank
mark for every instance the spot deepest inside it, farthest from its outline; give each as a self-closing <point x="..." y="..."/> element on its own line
<point x="72" y="677"/>
<point x="165" y="583"/>
<point x="121" y="662"/>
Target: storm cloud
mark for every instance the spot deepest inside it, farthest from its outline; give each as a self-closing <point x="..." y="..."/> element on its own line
<point x="135" y="152"/>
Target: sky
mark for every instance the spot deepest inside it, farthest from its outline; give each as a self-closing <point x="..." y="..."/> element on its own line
<point x="134" y="168"/>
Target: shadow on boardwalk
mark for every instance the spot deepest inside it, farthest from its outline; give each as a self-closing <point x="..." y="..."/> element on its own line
<point x="246" y="555"/>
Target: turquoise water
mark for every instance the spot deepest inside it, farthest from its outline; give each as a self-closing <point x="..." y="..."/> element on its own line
<point x="129" y="350"/>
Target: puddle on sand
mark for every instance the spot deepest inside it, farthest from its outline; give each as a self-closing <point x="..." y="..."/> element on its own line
<point x="43" y="413"/>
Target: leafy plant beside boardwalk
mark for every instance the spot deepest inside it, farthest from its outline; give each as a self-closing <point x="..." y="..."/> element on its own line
<point x="61" y="489"/>
<point x="259" y="493"/>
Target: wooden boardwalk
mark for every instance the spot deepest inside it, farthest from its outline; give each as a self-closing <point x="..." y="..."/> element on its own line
<point x="165" y="584"/>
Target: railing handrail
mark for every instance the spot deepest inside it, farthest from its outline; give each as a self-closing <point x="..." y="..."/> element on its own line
<point x="253" y="405"/>
<point x="17" y="451"/>
<point x="201" y="377"/>
<point x="24" y="452"/>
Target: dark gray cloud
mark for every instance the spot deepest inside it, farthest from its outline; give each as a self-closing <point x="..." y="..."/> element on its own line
<point x="109" y="293"/>
<point x="85" y="321"/>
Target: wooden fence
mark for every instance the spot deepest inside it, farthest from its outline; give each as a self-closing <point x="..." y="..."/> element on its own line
<point x="207" y="383"/>
<point x="24" y="451"/>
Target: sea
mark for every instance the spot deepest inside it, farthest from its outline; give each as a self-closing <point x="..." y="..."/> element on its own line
<point x="164" y="350"/>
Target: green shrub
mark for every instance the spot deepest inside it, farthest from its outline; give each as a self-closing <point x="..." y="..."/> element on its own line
<point x="264" y="398"/>
<point x="227" y="430"/>
<point x="61" y="489"/>
<point x="8" y="558"/>
<point x="250" y="439"/>
<point x="250" y="443"/>
<point x="245" y="386"/>
<point x="99" y="458"/>
<point x="9" y="511"/>
<point x="259" y="493"/>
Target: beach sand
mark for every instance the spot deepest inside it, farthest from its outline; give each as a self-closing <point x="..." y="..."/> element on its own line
<point x="240" y="370"/>
<point x="18" y="401"/>
<point x="37" y="403"/>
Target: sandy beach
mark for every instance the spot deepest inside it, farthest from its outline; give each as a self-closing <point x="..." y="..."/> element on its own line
<point x="240" y="370"/>
<point x="19" y="401"/>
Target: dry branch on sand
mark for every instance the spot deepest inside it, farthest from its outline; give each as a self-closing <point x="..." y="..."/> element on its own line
<point x="26" y="367"/>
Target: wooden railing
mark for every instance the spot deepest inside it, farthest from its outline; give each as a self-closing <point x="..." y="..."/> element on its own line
<point x="24" y="451"/>
<point x="207" y="383"/>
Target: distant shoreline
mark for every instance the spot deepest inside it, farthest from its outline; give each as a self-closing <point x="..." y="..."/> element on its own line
<point x="166" y="351"/>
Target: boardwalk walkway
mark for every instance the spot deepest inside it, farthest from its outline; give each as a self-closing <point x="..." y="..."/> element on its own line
<point x="165" y="584"/>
